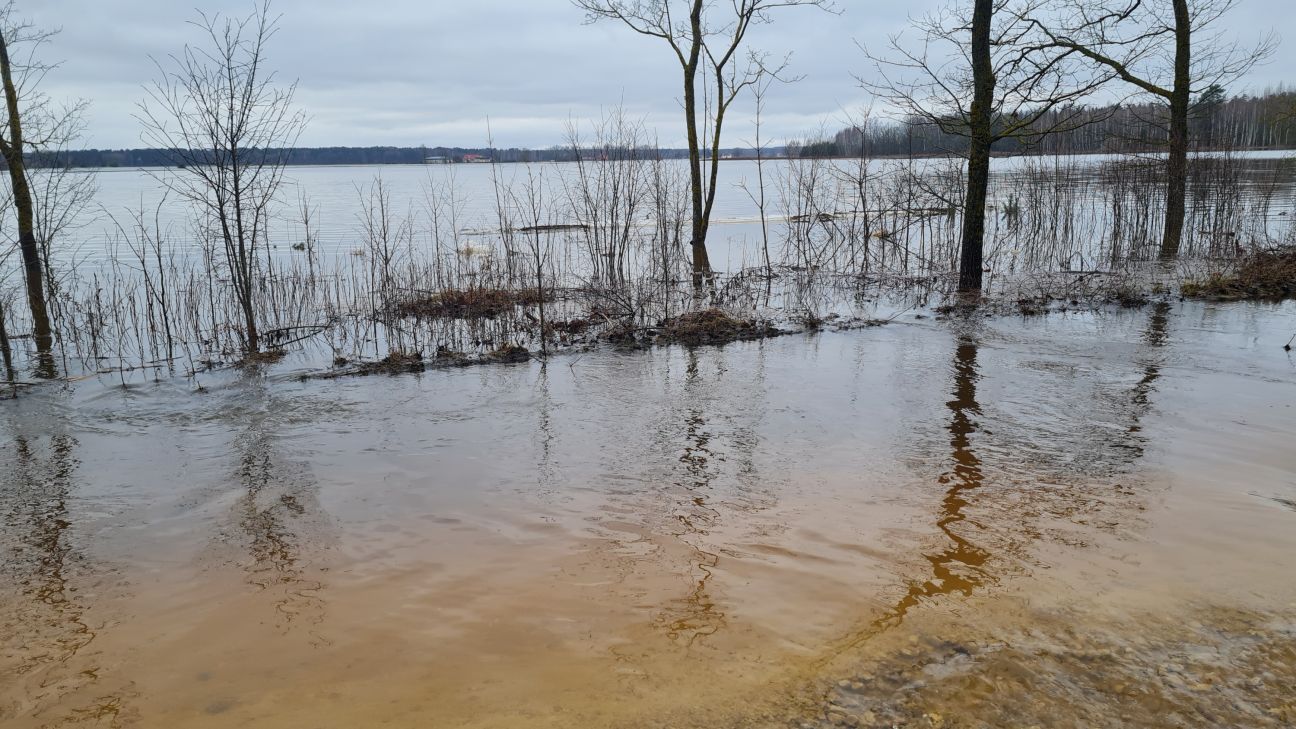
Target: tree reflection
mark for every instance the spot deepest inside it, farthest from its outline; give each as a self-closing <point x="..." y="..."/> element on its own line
<point x="963" y="565"/>
<point x="1156" y="335"/>
<point x="697" y="615"/>
<point x="960" y="567"/>
<point x="276" y="501"/>
<point x="48" y="631"/>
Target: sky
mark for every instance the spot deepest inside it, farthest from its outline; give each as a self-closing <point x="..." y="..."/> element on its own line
<point x="432" y="72"/>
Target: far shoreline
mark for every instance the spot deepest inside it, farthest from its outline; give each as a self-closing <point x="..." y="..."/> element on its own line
<point x="1251" y="153"/>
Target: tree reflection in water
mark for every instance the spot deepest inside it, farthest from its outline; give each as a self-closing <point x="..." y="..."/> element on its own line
<point x="275" y="505"/>
<point x="1023" y="488"/>
<point x="960" y="567"/>
<point x="696" y="615"/>
<point x="48" y="632"/>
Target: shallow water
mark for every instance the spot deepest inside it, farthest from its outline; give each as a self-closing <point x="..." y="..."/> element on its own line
<point x="1070" y="520"/>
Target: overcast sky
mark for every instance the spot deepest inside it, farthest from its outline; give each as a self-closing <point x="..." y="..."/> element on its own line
<point x="414" y="72"/>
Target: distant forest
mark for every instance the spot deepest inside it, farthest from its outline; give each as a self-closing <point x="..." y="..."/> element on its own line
<point x="1267" y="121"/>
<point x="339" y="156"/>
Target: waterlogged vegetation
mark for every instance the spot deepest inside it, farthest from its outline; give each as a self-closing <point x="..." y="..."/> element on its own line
<point x="643" y="439"/>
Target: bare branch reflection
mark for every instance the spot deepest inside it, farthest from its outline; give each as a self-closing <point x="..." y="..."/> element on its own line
<point x="275" y="509"/>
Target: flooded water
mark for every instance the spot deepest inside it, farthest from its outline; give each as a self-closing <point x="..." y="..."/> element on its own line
<point x="1049" y="197"/>
<point x="1070" y="520"/>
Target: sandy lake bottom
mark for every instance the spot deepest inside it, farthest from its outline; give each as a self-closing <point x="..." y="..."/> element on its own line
<point x="1069" y="520"/>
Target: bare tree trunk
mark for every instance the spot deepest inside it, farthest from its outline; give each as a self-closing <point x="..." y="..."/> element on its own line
<point x="249" y="321"/>
<point x="714" y="171"/>
<point x="12" y="149"/>
<point x="760" y="182"/>
<point x="5" y="352"/>
<point x="1177" y="162"/>
<point x="540" y="293"/>
<point x="981" y="137"/>
<point x="701" y="261"/>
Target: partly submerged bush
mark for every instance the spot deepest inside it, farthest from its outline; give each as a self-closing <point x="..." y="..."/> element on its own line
<point x="1269" y="274"/>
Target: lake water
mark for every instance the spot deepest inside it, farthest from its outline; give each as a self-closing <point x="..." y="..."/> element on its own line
<point x="1069" y="520"/>
<point x="1063" y="197"/>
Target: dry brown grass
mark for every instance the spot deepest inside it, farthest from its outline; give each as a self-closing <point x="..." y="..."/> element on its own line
<point x="264" y="357"/>
<point x="1267" y="274"/>
<point x="479" y="303"/>
<point x="508" y="353"/>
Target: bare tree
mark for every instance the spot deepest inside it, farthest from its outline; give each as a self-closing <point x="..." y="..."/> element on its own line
<point x="229" y="126"/>
<point x="707" y="39"/>
<point x="1167" y="49"/>
<point x="531" y="205"/>
<point x="608" y="192"/>
<point x="759" y="90"/>
<point x="983" y="78"/>
<point x="21" y="73"/>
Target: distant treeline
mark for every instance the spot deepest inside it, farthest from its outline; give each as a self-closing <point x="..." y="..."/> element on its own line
<point x="348" y="156"/>
<point x="1267" y="121"/>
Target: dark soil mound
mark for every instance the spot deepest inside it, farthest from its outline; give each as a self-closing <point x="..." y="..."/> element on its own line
<point x="712" y="326"/>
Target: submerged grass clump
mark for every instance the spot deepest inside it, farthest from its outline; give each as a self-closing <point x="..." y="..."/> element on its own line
<point x="396" y="362"/>
<point x="1268" y="274"/>
<point x="264" y="357"/>
<point x="475" y="303"/>
<point x="402" y="362"/>
<point x="508" y="353"/>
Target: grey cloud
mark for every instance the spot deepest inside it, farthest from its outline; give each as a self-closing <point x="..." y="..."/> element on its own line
<point x="408" y="72"/>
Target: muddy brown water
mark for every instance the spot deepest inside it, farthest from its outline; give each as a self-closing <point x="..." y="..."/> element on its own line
<point x="1070" y="520"/>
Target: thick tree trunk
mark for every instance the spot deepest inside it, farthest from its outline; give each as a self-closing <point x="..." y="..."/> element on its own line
<point x="981" y="135"/>
<point x="5" y="352"/>
<point x="249" y="319"/>
<point x="1177" y="161"/>
<point x="30" y="251"/>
